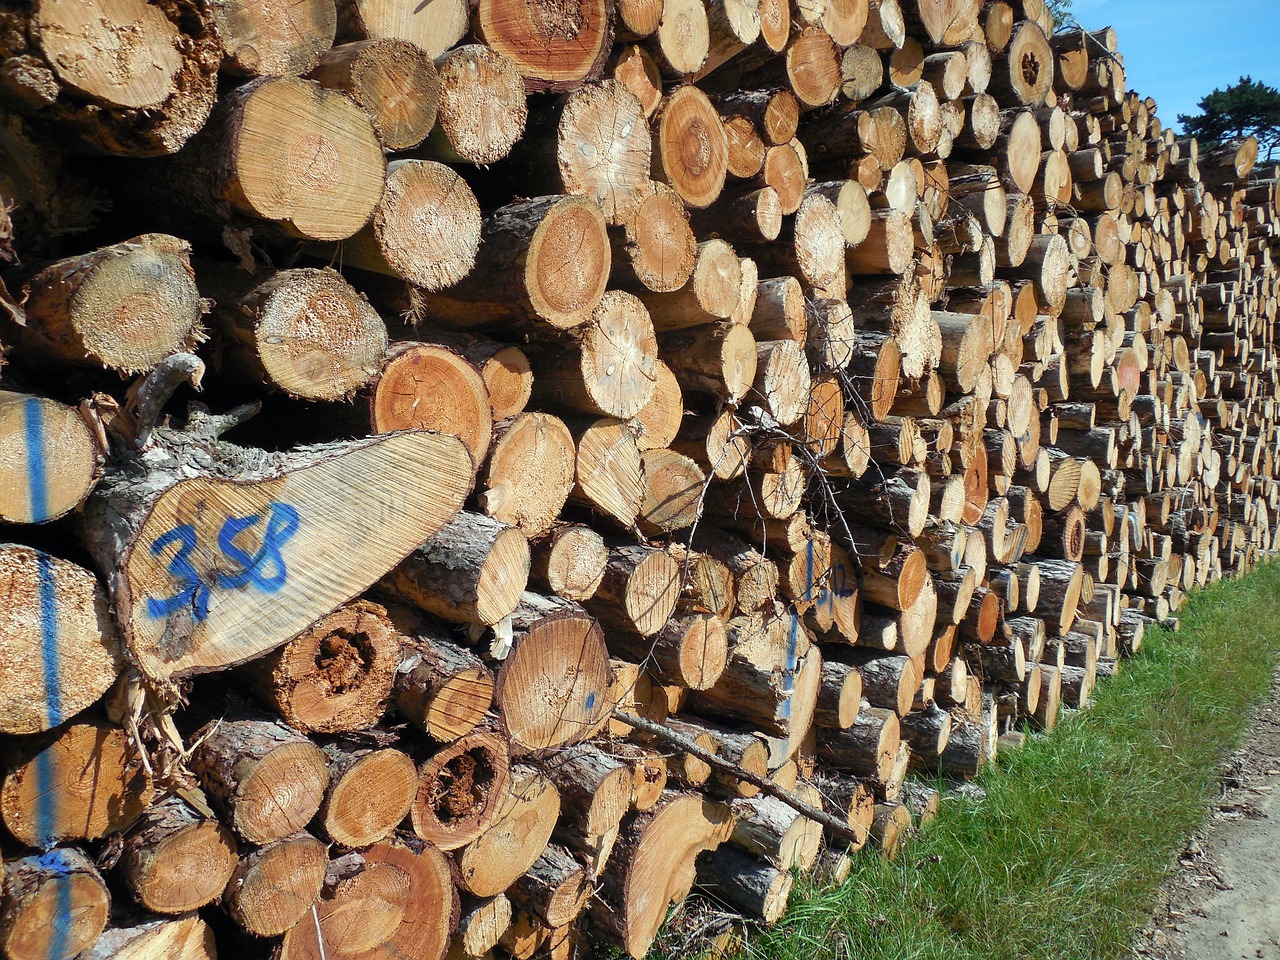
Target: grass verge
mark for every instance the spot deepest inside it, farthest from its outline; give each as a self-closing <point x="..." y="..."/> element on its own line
<point x="1079" y="829"/>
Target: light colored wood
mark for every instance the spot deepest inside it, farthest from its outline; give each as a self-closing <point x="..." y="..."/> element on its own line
<point x="81" y="786"/>
<point x="126" y="306"/>
<point x="307" y="513"/>
<point x="59" y="648"/>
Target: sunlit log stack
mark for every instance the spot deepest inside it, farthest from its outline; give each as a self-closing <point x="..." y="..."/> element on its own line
<point x="476" y="473"/>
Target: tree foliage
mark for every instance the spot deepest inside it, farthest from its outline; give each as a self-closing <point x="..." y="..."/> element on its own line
<point x="1246" y="108"/>
<point x="1061" y="10"/>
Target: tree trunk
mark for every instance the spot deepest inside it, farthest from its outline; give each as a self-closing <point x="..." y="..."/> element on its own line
<point x="126" y="306"/>
<point x="313" y="506"/>
<point x="336" y="675"/>
<point x="265" y="779"/>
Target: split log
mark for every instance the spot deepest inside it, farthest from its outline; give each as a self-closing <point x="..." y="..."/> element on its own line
<point x="653" y="865"/>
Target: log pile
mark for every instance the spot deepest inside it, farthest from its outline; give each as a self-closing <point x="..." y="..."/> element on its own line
<point x="632" y="437"/>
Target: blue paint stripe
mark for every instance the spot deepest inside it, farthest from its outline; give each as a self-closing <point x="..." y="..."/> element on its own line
<point x="60" y="934"/>
<point x="49" y="638"/>
<point x="36" y="480"/>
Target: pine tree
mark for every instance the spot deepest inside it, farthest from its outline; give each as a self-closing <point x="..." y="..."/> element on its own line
<point x="1247" y="108"/>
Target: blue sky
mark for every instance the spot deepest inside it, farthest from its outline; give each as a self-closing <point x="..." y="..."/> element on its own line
<point x="1179" y="50"/>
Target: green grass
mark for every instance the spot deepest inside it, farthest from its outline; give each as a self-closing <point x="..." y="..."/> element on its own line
<point x="1080" y="828"/>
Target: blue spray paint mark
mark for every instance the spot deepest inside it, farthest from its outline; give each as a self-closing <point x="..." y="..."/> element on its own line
<point x="36" y="483"/>
<point x="60" y="934"/>
<point x="47" y="794"/>
<point x="49" y="638"/>
<point x="195" y="590"/>
<point x="789" y="668"/>
<point x="591" y="700"/>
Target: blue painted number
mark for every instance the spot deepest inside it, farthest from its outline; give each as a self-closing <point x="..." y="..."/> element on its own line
<point x="264" y="568"/>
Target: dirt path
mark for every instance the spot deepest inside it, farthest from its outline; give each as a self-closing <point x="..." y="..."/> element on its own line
<point x="1225" y="902"/>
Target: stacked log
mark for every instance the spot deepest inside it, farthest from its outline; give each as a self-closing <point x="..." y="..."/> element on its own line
<point x="633" y="437"/>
